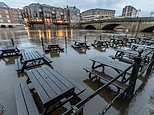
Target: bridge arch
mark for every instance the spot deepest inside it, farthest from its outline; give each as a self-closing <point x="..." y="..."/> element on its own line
<point x="149" y="29"/>
<point x="110" y="26"/>
<point x="90" y="27"/>
<point x="10" y="26"/>
<point x="3" y="26"/>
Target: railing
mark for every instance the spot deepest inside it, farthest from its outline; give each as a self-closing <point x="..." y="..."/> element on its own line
<point x="82" y="103"/>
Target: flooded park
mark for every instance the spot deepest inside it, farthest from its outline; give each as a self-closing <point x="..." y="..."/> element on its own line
<point x="70" y="63"/>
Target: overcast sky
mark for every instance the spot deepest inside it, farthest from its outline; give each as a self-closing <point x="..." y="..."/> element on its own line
<point x="146" y="6"/>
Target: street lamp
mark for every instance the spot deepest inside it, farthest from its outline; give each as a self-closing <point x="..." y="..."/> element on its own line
<point x="138" y="11"/>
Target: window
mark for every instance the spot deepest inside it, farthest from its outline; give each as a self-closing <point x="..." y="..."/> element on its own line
<point x="7" y="16"/>
<point x="6" y="12"/>
<point x="8" y="20"/>
<point x="0" y="16"/>
<point x="1" y="20"/>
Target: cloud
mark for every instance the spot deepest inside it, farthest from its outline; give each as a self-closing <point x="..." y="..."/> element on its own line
<point x="145" y="6"/>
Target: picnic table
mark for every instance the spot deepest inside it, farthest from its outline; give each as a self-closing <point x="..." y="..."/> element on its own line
<point x="80" y="45"/>
<point x="132" y="40"/>
<point x="126" y="55"/>
<point x="53" y="47"/>
<point x="30" y="59"/>
<point x="148" y="42"/>
<point x="114" y="42"/>
<point x="99" y="65"/>
<point x="53" y="87"/>
<point x="9" y="51"/>
<point x="135" y="46"/>
<point x="100" y="43"/>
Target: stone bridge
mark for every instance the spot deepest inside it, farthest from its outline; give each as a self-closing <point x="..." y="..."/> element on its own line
<point x="138" y="24"/>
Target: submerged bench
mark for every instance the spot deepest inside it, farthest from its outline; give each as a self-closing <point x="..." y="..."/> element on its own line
<point x="18" y="64"/>
<point x="106" y="78"/>
<point x="53" y="47"/>
<point x="24" y="100"/>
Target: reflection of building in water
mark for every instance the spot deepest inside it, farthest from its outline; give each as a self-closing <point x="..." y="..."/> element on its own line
<point x="9" y="15"/>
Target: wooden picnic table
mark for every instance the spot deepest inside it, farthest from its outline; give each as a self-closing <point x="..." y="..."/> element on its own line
<point x="148" y="42"/>
<point x="31" y="59"/>
<point x="9" y="51"/>
<point x="101" y="62"/>
<point x="80" y="44"/>
<point x="52" y="87"/>
<point x="135" y="46"/>
<point x="105" y="61"/>
<point x="53" y="47"/>
<point x="100" y="43"/>
<point x="114" y="42"/>
<point x="130" y="53"/>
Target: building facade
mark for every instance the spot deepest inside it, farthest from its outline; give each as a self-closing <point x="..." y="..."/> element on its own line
<point x="97" y="14"/>
<point x="129" y="11"/>
<point x="9" y="15"/>
<point x="37" y="13"/>
<point x="74" y="14"/>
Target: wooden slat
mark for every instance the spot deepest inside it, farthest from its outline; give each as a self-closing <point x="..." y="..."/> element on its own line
<point x="53" y="78"/>
<point x="18" y="64"/>
<point x="50" y="82"/>
<point x="78" y="88"/>
<point x="49" y="91"/>
<point x="42" y="94"/>
<point x="107" y="78"/>
<point x="20" y="101"/>
<point x="63" y="80"/>
<point x="31" y="106"/>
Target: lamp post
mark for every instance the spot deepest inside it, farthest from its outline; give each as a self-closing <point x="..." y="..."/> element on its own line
<point x="151" y="13"/>
<point x="138" y="11"/>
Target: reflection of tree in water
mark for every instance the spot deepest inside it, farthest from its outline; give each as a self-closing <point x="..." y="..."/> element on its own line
<point x="108" y="94"/>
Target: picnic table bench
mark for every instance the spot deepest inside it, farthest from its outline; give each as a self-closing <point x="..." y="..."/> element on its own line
<point x="147" y="42"/>
<point x="80" y="45"/>
<point x="53" y="47"/>
<point x="126" y="55"/>
<point x="135" y="46"/>
<point x="101" y="63"/>
<point x="130" y="41"/>
<point x="115" y="42"/>
<point x="24" y="100"/>
<point x="100" y="43"/>
<point x="30" y="59"/>
<point x="9" y="51"/>
<point x="52" y="87"/>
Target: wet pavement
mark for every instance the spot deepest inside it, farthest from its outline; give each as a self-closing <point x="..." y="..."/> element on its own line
<point x="70" y="63"/>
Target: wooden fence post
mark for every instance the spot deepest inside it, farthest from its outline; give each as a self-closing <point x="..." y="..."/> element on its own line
<point x="12" y="41"/>
<point x="65" y="40"/>
<point x="42" y="42"/>
<point x="100" y="37"/>
<point x="151" y="65"/>
<point x="85" y="38"/>
<point x="133" y="78"/>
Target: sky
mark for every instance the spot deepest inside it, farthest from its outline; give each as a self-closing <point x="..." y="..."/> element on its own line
<point x="146" y="6"/>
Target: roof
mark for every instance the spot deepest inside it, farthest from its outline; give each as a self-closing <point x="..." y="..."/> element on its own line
<point x="98" y="9"/>
<point x="3" y="5"/>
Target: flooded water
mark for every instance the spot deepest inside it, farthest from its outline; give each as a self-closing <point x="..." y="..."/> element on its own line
<point x="70" y="63"/>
